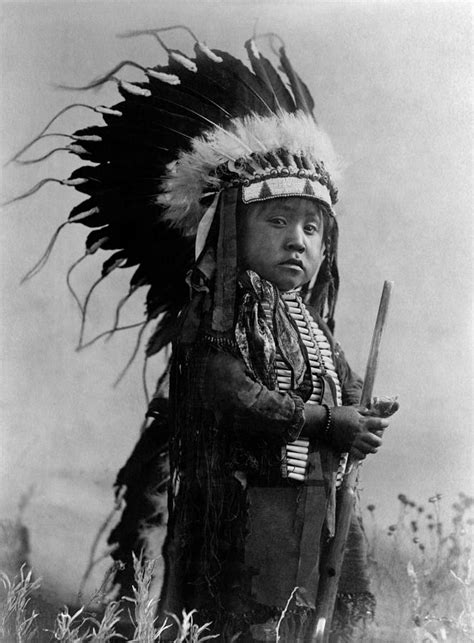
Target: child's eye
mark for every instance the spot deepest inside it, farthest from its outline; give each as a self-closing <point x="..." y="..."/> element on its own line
<point x="279" y="221"/>
<point x="311" y="228"/>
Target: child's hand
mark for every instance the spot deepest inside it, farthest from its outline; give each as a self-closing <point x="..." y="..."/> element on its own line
<point x="351" y="431"/>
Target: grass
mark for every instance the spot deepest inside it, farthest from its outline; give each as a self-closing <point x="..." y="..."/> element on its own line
<point x="421" y="575"/>
<point x="422" y="572"/>
<point x="19" y="620"/>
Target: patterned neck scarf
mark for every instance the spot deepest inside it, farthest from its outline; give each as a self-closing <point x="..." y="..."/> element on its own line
<point x="258" y="343"/>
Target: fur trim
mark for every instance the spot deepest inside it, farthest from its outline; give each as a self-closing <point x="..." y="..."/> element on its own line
<point x="191" y="176"/>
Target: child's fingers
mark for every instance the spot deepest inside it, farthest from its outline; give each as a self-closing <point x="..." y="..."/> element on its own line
<point x="378" y="433"/>
<point x="357" y="453"/>
<point x="372" y="439"/>
<point x="375" y="424"/>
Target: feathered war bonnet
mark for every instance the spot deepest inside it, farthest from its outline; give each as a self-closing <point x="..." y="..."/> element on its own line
<point x="268" y="147"/>
<point x="172" y="161"/>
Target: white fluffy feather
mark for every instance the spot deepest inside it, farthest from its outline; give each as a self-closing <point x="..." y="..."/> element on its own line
<point x="190" y="176"/>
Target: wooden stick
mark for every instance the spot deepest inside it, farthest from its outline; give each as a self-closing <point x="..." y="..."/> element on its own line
<point x="332" y="566"/>
<point x="372" y="362"/>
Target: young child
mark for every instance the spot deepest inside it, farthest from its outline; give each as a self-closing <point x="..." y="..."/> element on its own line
<point x="262" y="416"/>
<point x="208" y="155"/>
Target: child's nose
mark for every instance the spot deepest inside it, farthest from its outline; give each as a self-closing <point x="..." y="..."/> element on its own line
<point x="295" y="239"/>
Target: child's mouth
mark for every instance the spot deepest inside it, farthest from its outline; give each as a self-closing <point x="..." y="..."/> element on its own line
<point x="293" y="263"/>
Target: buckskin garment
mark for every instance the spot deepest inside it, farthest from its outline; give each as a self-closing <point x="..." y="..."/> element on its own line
<point x="243" y="541"/>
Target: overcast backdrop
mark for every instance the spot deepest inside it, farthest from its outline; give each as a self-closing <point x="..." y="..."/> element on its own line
<point x="392" y="86"/>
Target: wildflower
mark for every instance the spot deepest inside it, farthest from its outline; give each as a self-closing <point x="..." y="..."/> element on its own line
<point x="421" y="547"/>
<point x="392" y="528"/>
<point x="455" y="551"/>
<point x="435" y="498"/>
<point x="371" y="508"/>
<point x="403" y="499"/>
<point x="416" y="540"/>
<point x="421" y="509"/>
<point x="414" y="526"/>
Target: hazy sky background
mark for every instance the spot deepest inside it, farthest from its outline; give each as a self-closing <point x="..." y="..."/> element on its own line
<point x="392" y="86"/>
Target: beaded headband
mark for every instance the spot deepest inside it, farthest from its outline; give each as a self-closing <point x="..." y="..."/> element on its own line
<point x="281" y="186"/>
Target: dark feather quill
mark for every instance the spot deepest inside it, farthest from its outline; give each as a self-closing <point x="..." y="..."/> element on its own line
<point x="303" y="98"/>
<point x="265" y="72"/>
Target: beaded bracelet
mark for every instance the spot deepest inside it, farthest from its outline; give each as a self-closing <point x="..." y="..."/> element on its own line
<point x="328" y="426"/>
<point x="284" y="463"/>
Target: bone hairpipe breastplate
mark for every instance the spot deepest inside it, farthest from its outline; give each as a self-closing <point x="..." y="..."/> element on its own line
<point x="295" y="454"/>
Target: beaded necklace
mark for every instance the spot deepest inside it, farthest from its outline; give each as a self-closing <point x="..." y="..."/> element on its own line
<point x="295" y="454"/>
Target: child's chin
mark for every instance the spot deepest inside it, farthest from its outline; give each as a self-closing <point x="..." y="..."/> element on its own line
<point x="288" y="284"/>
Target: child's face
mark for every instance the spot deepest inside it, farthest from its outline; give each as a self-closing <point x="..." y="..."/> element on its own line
<point x="282" y="240"/>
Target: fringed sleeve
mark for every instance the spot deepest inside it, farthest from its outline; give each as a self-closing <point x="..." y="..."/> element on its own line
<point x="229" y="391"/>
